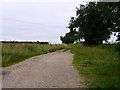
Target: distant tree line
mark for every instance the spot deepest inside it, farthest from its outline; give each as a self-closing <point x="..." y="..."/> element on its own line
<point x="94" y="22"/>
<point x="30" y="42"/>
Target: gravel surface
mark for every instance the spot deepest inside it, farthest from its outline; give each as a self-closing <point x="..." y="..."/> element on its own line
<point x="52" y="70"/>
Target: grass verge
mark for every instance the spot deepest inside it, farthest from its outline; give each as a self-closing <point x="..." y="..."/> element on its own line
<point x="13" y="53"/>
<point x="98" y="63"/>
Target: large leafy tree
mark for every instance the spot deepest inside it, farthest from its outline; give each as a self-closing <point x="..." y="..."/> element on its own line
<point x="115" y="8"/>
<point x="113" y="14"/>
<point x="95" y="21"/>
<point x="69" y="37"/>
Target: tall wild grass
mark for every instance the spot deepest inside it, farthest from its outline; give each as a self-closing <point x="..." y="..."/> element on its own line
<point x="15" y="52"/>
<point x="99" y="64"/>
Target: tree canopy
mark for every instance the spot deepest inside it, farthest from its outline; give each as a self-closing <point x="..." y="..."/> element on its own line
<point x="94" y="22"/>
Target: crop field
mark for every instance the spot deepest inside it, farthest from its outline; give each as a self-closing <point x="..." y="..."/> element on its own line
<point x="99" y="64"/>
<point x="16" y="52"/>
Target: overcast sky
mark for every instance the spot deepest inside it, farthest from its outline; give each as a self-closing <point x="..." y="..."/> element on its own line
<point x="35" y="20"/>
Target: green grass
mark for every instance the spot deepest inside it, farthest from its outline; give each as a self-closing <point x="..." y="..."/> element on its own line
<point x="99" y="64"/>
<point x="13" y="53"/>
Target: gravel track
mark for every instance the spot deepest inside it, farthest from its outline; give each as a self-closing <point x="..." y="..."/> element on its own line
<point x="52" y="70"/>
